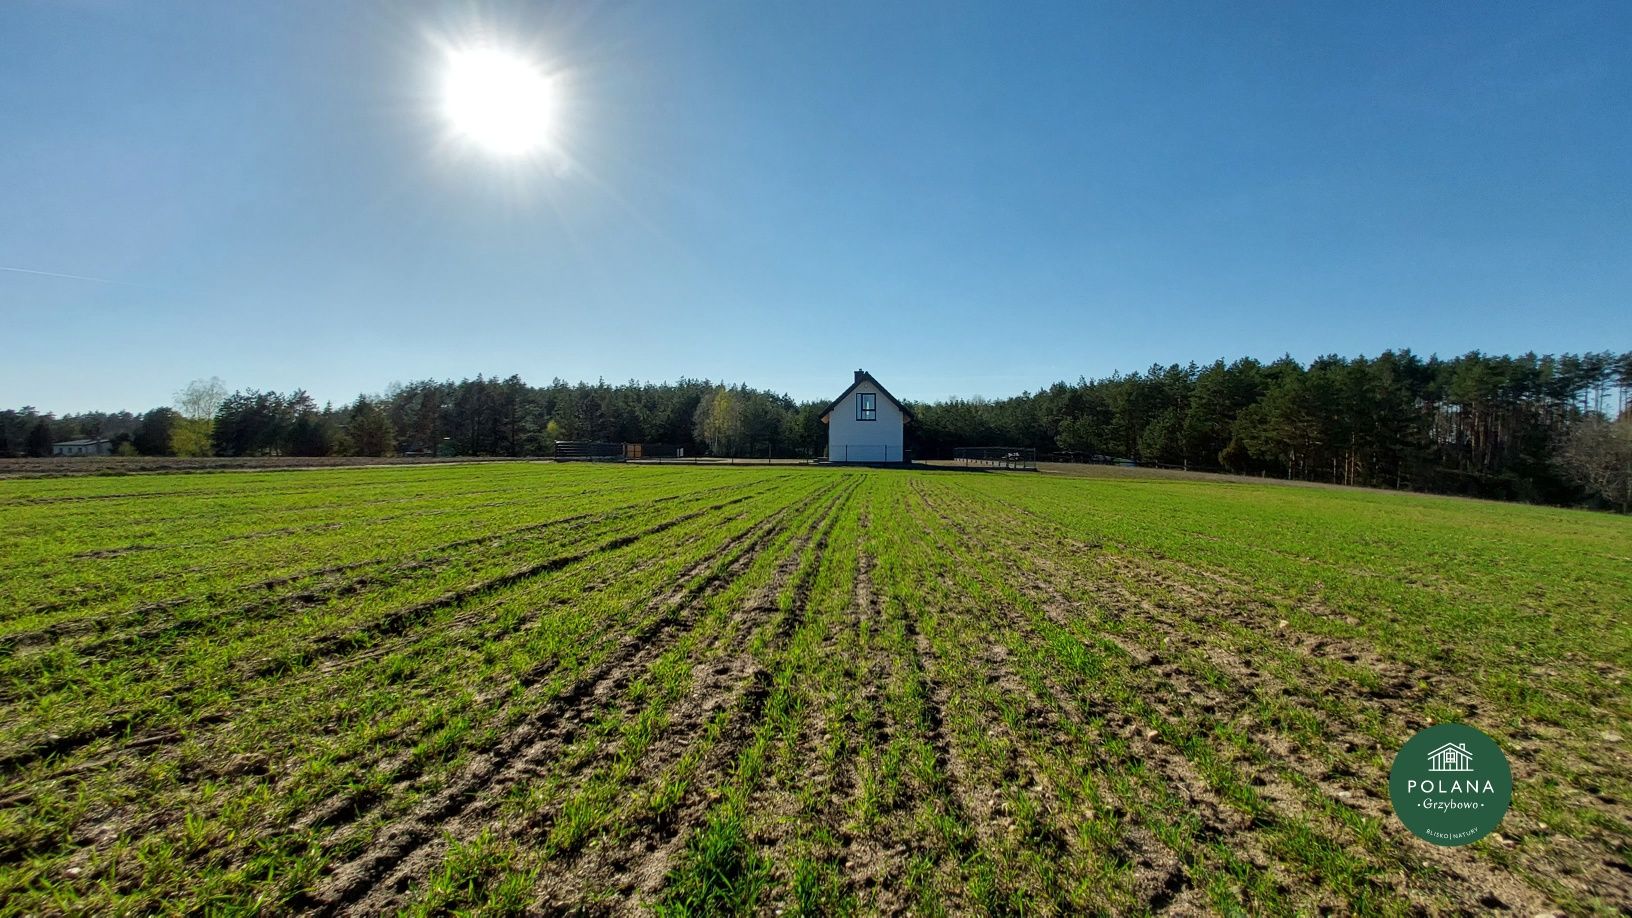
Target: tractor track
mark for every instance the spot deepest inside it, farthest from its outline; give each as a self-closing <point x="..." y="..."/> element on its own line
<point x="730" y="679"/>
<point x="353" y="639"/>
<point x="382" y="875"/>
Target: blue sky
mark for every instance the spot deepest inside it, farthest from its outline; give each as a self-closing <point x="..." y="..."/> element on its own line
<point x="963" y="198"/>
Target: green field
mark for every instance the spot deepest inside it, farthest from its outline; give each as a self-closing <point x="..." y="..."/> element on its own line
<point x="526" y="687"/>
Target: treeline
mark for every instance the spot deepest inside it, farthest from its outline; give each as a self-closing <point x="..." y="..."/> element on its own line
<point x="507" y="417"/>
<point x="1533" y="428"/>
<point x="1513" y="428"/>
<point x="473" y="417"/>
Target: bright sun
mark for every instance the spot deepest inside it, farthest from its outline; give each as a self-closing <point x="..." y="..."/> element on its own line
<point x="502" y="103"/>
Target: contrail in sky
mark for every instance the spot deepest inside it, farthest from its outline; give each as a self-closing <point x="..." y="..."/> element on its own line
<point x="87" y="277"/>
<point x="83" y="277"/>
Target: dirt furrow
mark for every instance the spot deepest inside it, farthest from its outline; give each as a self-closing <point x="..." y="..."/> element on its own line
<point x="1231" y="600"/>
<point x="1159" y="877"/>
<point x="1181" y="696"/>
<point x="381" y="875"/>
<point x="352" y="639"/>
<point x="874" y="861"/>
<point x="116" y="623"/>
<point x="400" y="620"/>
<point x="1159" y="653"/>
<point x="345" y="809"/>
<point x="729" y="679"/>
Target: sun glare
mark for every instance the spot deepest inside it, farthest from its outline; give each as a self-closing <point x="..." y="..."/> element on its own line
<point x="502" y="103"/>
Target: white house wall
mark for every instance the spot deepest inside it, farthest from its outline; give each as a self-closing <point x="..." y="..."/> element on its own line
<point x="850" y="440"/>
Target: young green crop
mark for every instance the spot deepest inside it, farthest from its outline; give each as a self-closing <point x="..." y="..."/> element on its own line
<point x="521" y="687"/>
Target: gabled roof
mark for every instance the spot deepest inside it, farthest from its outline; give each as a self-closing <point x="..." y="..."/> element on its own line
<point x="1456" y="746"/>
<point x="88" y="442"/>
<point x="861" y="377"/>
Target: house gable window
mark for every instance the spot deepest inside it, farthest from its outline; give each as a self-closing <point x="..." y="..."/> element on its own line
<point x="866" y="406"/>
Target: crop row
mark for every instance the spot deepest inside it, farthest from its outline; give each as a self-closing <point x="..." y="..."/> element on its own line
<point x="524" y="688"/>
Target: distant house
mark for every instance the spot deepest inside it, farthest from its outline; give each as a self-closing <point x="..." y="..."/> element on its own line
<point x="1450" y="757"/>
<point x="865" y="424"/>
<point x="82" y="448"/>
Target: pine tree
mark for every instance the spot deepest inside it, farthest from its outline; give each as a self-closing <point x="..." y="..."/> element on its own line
<point x="39" y="439"/>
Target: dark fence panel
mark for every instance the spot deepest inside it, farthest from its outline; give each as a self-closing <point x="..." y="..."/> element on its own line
<point x="588" y="451"/>
<point x="1004" y="457"/>
<point x="866" y="454"/>
<point x="668" y="453"/>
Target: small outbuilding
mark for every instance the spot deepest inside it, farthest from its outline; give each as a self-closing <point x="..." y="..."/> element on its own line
<point x="866" y="424"/>
<point x="89" y="447"/>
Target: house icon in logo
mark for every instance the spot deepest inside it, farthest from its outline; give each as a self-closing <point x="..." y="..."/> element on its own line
<point x="1450" y="757"/>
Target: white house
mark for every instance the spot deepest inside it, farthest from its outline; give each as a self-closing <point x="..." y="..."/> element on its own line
<point x="88" y="447"/>
<point x="865" y="424"/>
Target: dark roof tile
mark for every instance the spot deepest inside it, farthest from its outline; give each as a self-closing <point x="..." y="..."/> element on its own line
<point x="864" y="376"/>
